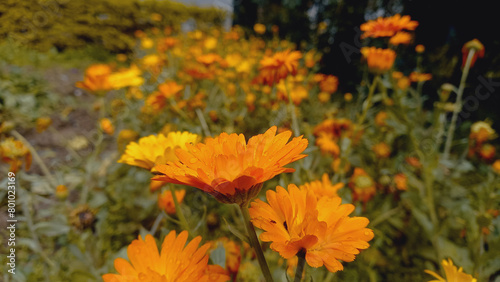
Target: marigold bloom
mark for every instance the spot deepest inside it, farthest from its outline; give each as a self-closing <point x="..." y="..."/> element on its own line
<point x="328" y="145"/>
<point x="126" y="77"/>
<point x="382" y="150"/>
<point x="487" y="152"/>
<point x="333" y="127"/>
<point x="295" y="220"/>
<point x="482" y="131"/>
<point x="379" y="60"/>
<point x="12" y="151"/>
<point x="96" y="79"/>
<point x="380" y="118"/>
<point x="259" y="28"/>
<point x="451" y="273"/>
<point x="400" y="38"/>
<point x="329" y="84"/>
<point x="496" y="166"/>
<point x="362" y="185"/>
<point x="156" y="149"/>
<point x="107" y="126"/>
<point x="386" y="27"/>
<point x="323" y="187"/>
<point x="418" y="77"/>
<point x="278" y="66"/>
<point x="401" y="181"/>
<point x="175" y="261"/>
<point x="166" y="201"/>
<point x="230" y="169"/>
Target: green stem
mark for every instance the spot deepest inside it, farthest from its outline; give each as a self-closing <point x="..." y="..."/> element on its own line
<point x="300" y="265"/>
<point x="178" y="211"/>
<point x="37" y="158"/>
<point x="458" y="105"/>
<point x="254" y="241"/>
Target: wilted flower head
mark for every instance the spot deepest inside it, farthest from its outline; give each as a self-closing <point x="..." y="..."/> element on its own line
<point x="175" y="261"/>
<point x="231" y="169"/>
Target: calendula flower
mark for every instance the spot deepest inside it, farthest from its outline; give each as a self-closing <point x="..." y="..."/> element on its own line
<point x="420" y="48"/>
<point x="387" y="27"/>
<point x="382" y="150"/>
<point x="231" y="169"/>
<point x="43" y="123"/>
<point x="175" y="262"/>
<point x="126" y="77"/>
<point x="378" y="60"/>
<point x="496" y="166"/>
<point x="487" y="152"/>
<point x="259" y="28"/>
<point x="166" y="201"/>
<point x="475" y="45"/>
<point x="61" y="192"/>
<point x="482" y="131"/>
<point x="322" y="188"/>
<point x="209" y="59"/>
<point x="12" y="152"/>
<point x="362" y="185"/>
<point x="295" y="221"/>
<point x="156" y="149"/>
<point x="400" y="38"/>
<point x="452" y="274"/>
<point x="147" y="43"/>
<point x="328" y="145"/>
<point x="278" y="66"/>
<point x="233" y="255"/>
<point x="107" y="126"/>
<point x="380" y="119"/>
<point x="401" y="181"/>
<point x="333" y="127"/>
<point x="96" y="79"/>
<point x="329" y="84"/>
<point x="418" y="77"/>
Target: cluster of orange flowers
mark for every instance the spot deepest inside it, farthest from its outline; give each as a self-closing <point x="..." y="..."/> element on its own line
<point x="481" y="132"/>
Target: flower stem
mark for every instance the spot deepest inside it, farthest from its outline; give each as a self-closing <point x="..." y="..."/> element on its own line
<point x="37" y="158"/>
<point x="178" y="211"/>
<point x="254" y="241"/>
<point x="458" y="105"/>
<point x="300" y="266"/>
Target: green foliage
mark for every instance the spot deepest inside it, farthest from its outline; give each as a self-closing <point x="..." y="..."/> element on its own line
<point x="72" y="24"/>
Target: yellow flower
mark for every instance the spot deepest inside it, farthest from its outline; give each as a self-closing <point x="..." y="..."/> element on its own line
<point x="126" y="77"/>
<point x="323" y="188"/>
<point x="420" y="48"/>
<point x="43" y="123"/>
<point x="496" y="166"/>
<point x="11" y="151"/>
<point x="380" y="118"/>
<point x="295" y="221"/>
<point x="156" y="149"/>
<point x="166" y="201"/>
<point x="210" y="43"/>
<point x="482" y="131"/>
<point x="259" y="28"/>
<point x="452" y="274"/>
<point x="175" y="262"/>
<point x="382" y="150"/>
<point x="231" y="169"/>
<point x="147" y="43"/>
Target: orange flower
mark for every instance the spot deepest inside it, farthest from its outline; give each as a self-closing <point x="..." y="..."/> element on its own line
<point x="386" y="27"/>
<point x="487" y="152"/>
<point x="329" y="84"/>
<point x="166" y="201"/>
<point x="451" y="273"/>
<point x="327" y="144"/>
<point x="323" y="188"/>
<point x="379" y="60"/>
<point x="169" y="89"/>
<point x="11" y="152"/>
<point x="278" y="66"/>
<point x="362" y="185"/>
<point x="230" y="169"/>
<point x="233" y="255"/>
<point x="43" y="123"/>
<point x="400" y="38"/>
<point x="418" y="77"/>
<point x="473" y="44"/>
<point x="295" y="221"/>
<point x="175" y="262"/>
<point x="414" y="162"/>
<point x="382" y="150"/>
<point x="420" y="48"/>
<point x="335" y="127"/>
<point x="496" y="166"/>
<point x="401" y="181"/>
<point x="380" y="119"/>
<point x="96" y="79"/>
<point x="107" y="126"/>
<point x="209" y="59"/>
<point x="259" y="28"/>
<point x="482" y="131"/>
